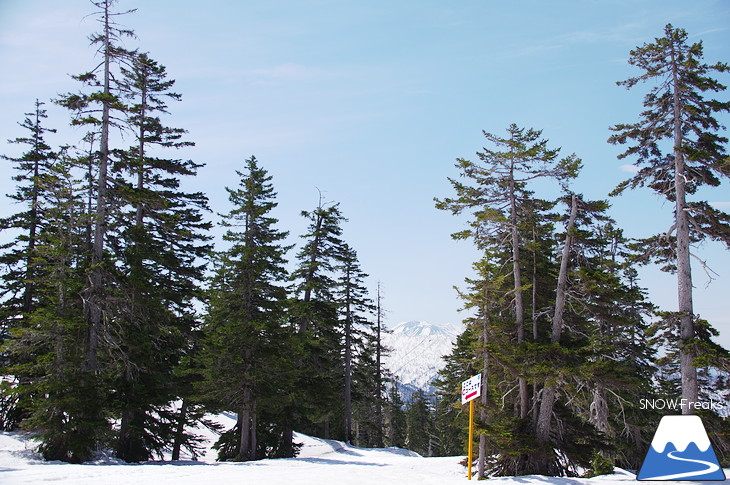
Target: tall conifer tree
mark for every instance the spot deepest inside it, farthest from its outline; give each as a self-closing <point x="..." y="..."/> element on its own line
<point x="679" y="148"/>
<point x="315" y="312"/>
<point x="246" y="352"/>
<point x="355" y="310"/>
<point x="496" y="192"/>
<point x="160" y="246"/>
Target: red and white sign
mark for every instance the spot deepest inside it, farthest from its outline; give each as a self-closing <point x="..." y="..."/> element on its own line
<point x="471" y="389"/>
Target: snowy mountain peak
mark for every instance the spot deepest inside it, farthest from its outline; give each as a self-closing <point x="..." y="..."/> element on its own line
<point x="416" y="353"/>
<point x="421" y="328"/>
<point x="680" y="430"/>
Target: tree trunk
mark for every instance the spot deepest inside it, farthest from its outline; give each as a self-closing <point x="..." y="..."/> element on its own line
<point x="130" y="444"/>
<point x="481" y="462"/>
<point x="378" y="378"/>
<point x="599" y="410"/>
<point x="287" y="441"/>
<point x="244" y="424"/>
<point x="97" y="254"/>
<point x="348" y="358"/>
<point x="684" y="269"/>
<point x="254" y="436"/>
<point x="519" y="304"/>
<point x="549" y="391"/>
<point x="180" y="430"/>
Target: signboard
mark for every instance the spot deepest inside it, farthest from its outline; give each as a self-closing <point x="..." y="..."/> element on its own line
<point x="471" y="389"/>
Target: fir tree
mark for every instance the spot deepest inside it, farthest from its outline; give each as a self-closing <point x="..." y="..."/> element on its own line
<point x="499" y="189"/>
<point x="678" y="147"/>
<point x="46" y="354"/>
<point x="161" y="248"/>
<point x="450" y="420"/>
<point x="100" y="108"/>
<point x="31" y="167"/>
<point x="395" y="434"/>
<point x="355" y="308"/>
<point x="419" y="424"/>
<point x="19" y="278"/>
<point x="103" y="109"/>
<point x="315" y="313"/>
<point x="246" y="337"/>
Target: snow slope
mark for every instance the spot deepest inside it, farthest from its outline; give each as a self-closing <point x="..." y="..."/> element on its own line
<point x="416" y="353"/>
<point x="321" y="462"/>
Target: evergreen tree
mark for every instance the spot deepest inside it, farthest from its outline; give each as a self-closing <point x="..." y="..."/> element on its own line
<point x="246" y="352"/>
<point x="315" y="313"/>
<point x="395" y="434"/>
<point x="419" y="424"/>
<point x="31" y="167"/>
<point x="17" y="292"/>
<point x="678" y="147"/>
<point x="499" y="189"/>
<point x="161" y="250"/>
<point x="46" y="354"/>
<point x="450" y="420"/>
<point x="355" y="308"/>
<point x="102" y="109"/>
<point x="582" y="338"/>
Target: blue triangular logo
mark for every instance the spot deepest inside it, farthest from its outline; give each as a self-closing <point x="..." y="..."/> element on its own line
<point x="681" y="450"/>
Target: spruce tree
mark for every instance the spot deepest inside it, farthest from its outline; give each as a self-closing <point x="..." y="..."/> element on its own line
<point x="247" y="347"/>
<point x="451" y="421"/>
<point x="678" y="146"/>
<point x="581" y="337"/>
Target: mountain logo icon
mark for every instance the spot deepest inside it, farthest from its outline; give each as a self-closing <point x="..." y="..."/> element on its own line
<point x="681" y="450"/>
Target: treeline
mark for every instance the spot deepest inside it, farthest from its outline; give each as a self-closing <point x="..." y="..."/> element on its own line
<point x="565" y="338"/>
<point x="122" y="326"/>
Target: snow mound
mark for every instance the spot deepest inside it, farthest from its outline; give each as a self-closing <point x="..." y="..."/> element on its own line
<point x="330" y="449"/>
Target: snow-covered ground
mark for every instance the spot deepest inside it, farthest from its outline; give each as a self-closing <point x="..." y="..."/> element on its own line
<point x="321" y="462"/>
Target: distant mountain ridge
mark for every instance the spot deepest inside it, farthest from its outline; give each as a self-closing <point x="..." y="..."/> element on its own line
<point x="416" y="353"/>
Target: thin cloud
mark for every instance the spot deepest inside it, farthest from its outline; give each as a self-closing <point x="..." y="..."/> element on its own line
<point x="720" y="204"/>
<point x="629" y="168"/>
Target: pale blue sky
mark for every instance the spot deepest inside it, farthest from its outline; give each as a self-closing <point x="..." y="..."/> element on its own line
<point x="372" y="101"/>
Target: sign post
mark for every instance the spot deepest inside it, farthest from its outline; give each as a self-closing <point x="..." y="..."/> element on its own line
<point x="470" y="390"/>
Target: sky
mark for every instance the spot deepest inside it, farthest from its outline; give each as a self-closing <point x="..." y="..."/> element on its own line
<point x="369" y="103"/>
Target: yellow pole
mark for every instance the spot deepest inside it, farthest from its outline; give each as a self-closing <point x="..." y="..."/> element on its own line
<point x="471" y="433"/>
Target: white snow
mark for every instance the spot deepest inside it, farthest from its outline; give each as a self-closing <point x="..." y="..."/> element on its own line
<point x="681" y="430"/>
<point x="417" y="351"/>
<point x="321" y="462"/>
